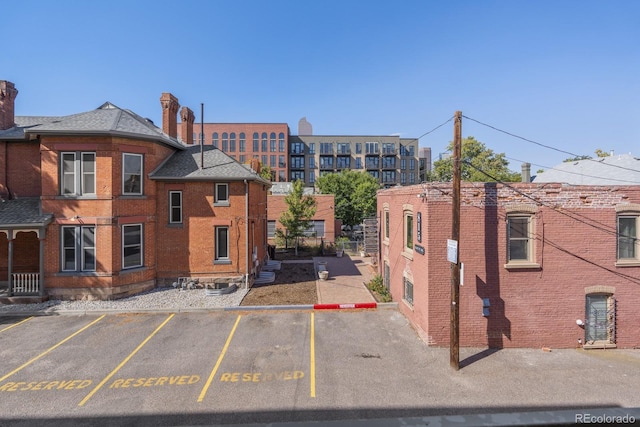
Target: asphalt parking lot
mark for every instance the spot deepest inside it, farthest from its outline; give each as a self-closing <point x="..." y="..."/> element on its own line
<point x="259" y="367"/>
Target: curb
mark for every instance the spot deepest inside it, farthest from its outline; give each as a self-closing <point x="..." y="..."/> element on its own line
<point x="363" y="305"/>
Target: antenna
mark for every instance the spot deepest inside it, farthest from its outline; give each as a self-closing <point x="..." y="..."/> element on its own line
<point x="201" y="135"/>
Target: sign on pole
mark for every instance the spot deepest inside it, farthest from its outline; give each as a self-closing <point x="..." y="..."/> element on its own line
<point x="452" y="251"/>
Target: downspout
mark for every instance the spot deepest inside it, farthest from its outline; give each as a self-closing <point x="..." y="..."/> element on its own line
<point x="246" y="234"/>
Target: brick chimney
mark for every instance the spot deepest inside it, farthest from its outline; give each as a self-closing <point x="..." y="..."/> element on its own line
<point x="8" y="93"/>
<point x="255" y="165"/>
<point x="169" y="114"/>
<point x="186" y="125"/>
<point x="526" y="172"/>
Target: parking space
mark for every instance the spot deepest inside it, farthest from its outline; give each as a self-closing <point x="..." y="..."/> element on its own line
<point x="223" y="367"/>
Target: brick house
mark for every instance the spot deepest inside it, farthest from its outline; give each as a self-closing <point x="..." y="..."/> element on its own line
<point x="324" y="223"/>
<point x="543" y="264"/>
<point x="103" y="204"/>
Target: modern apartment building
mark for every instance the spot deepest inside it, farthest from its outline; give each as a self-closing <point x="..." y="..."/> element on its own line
<point x="267" y="142"/>
<point x="390" y="159"/>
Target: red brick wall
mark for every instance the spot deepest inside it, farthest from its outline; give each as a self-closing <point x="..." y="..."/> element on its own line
<point x="189" y="249"/>
<point x="575" y="247"/>
<point x="324" y="211"/>
<point x="108" y="211"/>
<point x="23" y="169"/>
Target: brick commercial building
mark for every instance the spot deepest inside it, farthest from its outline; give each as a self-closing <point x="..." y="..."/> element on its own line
<point x="544" y="265"/>
<point x="103" y="204"/>
<point x="266" y="142"/>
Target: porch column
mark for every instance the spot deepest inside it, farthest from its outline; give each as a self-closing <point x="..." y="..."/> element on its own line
<point x="10" y="263"/>
<point x="41" y="275"/>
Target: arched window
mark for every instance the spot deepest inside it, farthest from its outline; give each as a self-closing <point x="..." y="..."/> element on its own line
<point x="225" y="142"/>
<point x="214" y="138"/>
<point x="256" y="142"/>
<point x="232" y="142"/>
<point x="243" y="142"/>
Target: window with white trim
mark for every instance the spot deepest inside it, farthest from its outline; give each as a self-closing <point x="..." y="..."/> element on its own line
<point x="627" y="238"/>
<point x="77" y="173"/>
<point x="175" y="207"/>
<point x="271" y="229"/>
<point x="78" y="248"/>
<point x="519" y="235"/>
<point x="222" y="194"/>
<point x="407" y="290"/>
<point x="132" y="246"/>
<point x="408" y="231"/>
<point x="222" y="243"/>
<point x="132" y="174"/>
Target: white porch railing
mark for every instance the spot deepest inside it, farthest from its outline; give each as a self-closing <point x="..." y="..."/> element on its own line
<point x="26" y="283"/>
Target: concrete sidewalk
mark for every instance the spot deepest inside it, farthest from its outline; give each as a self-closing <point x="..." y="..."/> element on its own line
<point x="347" y="278"/>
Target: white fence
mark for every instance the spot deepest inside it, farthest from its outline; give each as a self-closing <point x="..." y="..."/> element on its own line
<point x="26" y="283"/>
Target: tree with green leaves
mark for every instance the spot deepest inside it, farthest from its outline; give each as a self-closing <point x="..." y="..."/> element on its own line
<point x="599" y="153"/>
<point x="476" y="159"/>
<point x="354" y="194"/>
<point x="297" y="218"/>
<point x="266" y="172"/>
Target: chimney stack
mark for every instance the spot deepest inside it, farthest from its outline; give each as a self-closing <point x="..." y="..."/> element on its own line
<point x="187" y="118"/>
<point x="169" y="114"/>
<point x="8" y="93"/>
<point x="526" y="172"/>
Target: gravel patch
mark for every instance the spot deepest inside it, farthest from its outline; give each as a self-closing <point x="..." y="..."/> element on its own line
<point x="156" y="299"/>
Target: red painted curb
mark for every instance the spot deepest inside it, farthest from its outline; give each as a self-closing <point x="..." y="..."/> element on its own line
<point x="339" y="306"/>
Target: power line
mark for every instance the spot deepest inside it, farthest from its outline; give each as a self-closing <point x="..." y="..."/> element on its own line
<point x="546" y="146"/>
<point x="435" y="128"/>
<point x="573" y="173"/>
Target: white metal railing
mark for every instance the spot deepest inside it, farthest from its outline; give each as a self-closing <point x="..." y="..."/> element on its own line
<point x="26" y="283"/>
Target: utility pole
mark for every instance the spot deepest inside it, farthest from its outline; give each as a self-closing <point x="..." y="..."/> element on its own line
<point x="454" y="339"/>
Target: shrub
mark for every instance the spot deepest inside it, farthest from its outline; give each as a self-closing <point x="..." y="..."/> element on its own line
<point x="376" y="285"/>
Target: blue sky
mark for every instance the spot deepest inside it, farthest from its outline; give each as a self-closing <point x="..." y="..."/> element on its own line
<point x="565" y="74"/>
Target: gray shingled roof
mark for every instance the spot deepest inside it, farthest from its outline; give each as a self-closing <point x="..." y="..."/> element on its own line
<point x="22" y="212"/>
<point x="612" y="170"/>
<point x="185" y="165"/>
<point x="107" y="119"/>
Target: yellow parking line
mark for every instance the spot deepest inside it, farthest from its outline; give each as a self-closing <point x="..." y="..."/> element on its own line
<point x="50" y="349"/>
<point x="126" y="359"/>
<point x="217" y="365"/>
<point x="16" y="324"/>
<point x="312" y="361"/>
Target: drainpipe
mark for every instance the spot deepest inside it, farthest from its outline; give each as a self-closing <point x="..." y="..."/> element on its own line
<point x="246" y="234"/>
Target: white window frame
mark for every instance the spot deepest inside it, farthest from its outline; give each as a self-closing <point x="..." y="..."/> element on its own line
<point x="633" y="239"/>
<point x="408" y="238"/>
<point x="407" y="284"/>
<point x="79" y="248"/>
<point x="218" y="201"/>
<point x="218" y="257"/>
<point x="140" y="244"/>
<point x="79" y="174"/>
<point x="172" y="207"/>
<point x="125" y="173"/>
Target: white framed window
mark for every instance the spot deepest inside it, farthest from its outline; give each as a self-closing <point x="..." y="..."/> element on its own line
<point x="271" y="228"/>
<point x="222" y="243"/>
<point x="175" y="207"/>
<point x="408" y="231"/>
<point x="386" y="224"/>
<point x="221" y="194"/>
<point x="132" y="174"/>
<point x="407" y="295"/>
<point x="132" y="246"/>
<point x="78" y="248"/>
<point x="627" y="238"/>
<point x="519" y="237"/>
<point x="77" y="173"/>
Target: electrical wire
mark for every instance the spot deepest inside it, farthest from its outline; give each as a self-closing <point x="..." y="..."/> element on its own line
<point x="573" y="173"/>
<point x="546" y="146"/>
